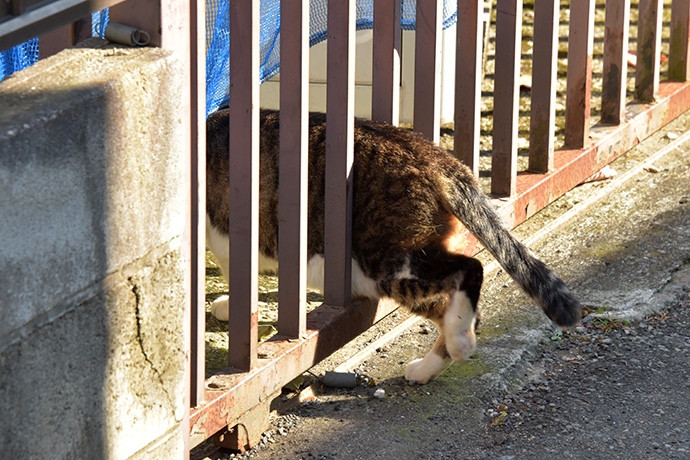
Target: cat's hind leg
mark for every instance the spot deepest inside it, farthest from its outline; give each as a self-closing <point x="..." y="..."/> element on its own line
<point x="425" y="369"/>
<point x="459" y="321"/>
<point x="219" y="245"/>
<point x="444" y="288"/>
<point x="456" y="319"/>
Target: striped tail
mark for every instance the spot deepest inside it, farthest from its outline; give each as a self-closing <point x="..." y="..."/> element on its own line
<point x="475" y="211"/>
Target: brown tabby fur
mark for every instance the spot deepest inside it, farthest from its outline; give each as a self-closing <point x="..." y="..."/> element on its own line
<point x="411" y="203"/>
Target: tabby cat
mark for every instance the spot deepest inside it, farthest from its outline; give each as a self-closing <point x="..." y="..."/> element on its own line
<point x="411" y="203"/>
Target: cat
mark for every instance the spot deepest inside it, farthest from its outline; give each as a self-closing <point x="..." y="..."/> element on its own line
<point x="411" y="202"/>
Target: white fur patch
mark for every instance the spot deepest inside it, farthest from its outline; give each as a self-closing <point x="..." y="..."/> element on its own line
<point x="458" y="327"/>
<point x="267" y="264"/>
<point x="426" y="369"/>
<point x="406" y="272"/>
<point x="219" y="244"/>
<point x="362" y="285"/>
<point x="221" y="308"/>
<point x="315" y="268"/>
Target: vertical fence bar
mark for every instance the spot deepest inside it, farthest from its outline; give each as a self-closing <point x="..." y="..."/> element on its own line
<point x="198" y="202"/>
<point x="385" y="100"/>
<point x="294" y="123"/>
<point x="427" y="72"/>
<point x="339" y="151"/>
<point x="244" y="183"/>
<point x="615" y="61"/>
<point x="648" y="50"/>
<point x="468" y="78"/>
<point x="56" y="40"/>
<point x="506" y="95"/>
<point x="544" y="68"/>
<point x="679" y="51"/>
<point x="579" y="79"/>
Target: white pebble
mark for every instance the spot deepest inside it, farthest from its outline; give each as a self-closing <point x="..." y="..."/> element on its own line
<point x="380" y="393"/>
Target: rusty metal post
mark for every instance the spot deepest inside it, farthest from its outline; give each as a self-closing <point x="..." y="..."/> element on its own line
<point x="385" y="86"/>
<point x="294" y="125"/>
<point x="615" y="61"/>
<point x="648" y="50"/>
<point x="506" y="96"/>
<point x="198" y="201"/>
<point x="427" y="70"/>
<point x="55" y="41"/>
<point x="244" y="184"/>
<point x="339" y="151"/>
<point x="579" y="80"/>
<point x="245" y="435"/>
<point x="679" y="49"/>
<point x="544" y="66"/>
<point x="468" y="78"/>
<point x="58" y="39"/>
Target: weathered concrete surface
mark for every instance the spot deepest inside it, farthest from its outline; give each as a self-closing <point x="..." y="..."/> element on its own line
<point x="626" y="255"/>
<point x="92" y="206"/>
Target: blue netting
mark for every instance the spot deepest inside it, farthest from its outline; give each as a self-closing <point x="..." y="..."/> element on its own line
<point x="26" y="54"/>
<point x="217" y="36"/>
<point x="18" y="58"/>
<point x="98" y="22"/>
<point x="217" y="39"/>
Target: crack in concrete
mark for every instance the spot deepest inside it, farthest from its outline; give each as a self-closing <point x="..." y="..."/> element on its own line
<point x="137" y="311"/>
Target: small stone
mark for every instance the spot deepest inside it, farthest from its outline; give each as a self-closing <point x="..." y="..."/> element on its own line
<point x="671" y="135"/>
<point x="380" y="393"/>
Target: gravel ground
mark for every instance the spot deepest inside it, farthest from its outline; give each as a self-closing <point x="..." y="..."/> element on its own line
<point x="609" y="391"/>
<point x="606" y="390"/>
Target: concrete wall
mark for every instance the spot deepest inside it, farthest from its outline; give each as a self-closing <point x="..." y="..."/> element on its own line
<point x="92" y="203"/>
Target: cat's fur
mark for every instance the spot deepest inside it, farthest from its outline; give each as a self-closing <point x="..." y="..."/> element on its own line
<point x="411" y="202"/>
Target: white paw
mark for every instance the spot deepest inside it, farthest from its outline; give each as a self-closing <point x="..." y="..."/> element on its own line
<point x="426" y="369"/>
<point x="220" y="308"/>
<point x="461" y="345"/>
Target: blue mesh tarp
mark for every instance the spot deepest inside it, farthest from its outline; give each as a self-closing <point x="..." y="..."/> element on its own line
<point x="18" y="58"/>
<point x="217" y="39"/>
<point x="217" y="36"/>
<point x="26" y="54"/>
<point x="98" y="22"/>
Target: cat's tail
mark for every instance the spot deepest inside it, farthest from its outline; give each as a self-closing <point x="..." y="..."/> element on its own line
<point x="474" y="210"/>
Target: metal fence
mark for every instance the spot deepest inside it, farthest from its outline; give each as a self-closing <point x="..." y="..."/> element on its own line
<point x="238" y="396"/>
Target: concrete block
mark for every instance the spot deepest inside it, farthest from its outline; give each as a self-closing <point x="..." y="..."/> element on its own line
<point x="106" y="378"/>
<point x="92" y="200"/>
<point x="89" y="149"/>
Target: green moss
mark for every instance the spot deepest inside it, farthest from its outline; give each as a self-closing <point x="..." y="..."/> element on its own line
<point x="473" y="367"/>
